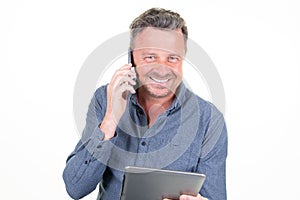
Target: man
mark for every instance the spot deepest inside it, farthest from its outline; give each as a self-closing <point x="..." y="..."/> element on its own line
<point x="152" y="122"/>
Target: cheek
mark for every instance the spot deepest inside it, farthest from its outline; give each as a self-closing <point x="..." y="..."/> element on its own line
<point x="177" y="69"/>
<point x="140" y="71"/>
<point x="143" y="69"/>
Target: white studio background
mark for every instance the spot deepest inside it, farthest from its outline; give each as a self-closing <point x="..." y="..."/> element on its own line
<point x="255" y="46"/>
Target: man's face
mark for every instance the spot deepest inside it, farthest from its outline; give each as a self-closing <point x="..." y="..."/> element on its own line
<point x="158" y="55"/>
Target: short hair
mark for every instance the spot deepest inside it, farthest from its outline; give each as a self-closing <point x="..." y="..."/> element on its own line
<point x="158" y="18"/>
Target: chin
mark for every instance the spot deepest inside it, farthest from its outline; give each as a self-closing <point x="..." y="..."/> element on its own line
<point x="159" y="92"/>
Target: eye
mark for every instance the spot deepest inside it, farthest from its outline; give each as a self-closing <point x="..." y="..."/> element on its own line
<point x="150" y="58"/>
<point x="174" y="59"/>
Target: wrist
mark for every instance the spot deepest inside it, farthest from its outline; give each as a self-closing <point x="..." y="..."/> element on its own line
<point x="108" y="127"/>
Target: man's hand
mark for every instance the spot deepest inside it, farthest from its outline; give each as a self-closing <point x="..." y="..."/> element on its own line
<point x="117" y="90"/>
<point x="187" y="197"/>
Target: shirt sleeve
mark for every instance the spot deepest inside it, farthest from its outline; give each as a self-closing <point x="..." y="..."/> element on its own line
<point x="86" y="164"/>
<point x="213" y="157"/>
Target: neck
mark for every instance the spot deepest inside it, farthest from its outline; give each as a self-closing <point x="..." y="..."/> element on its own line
<point x="154" y="106"/>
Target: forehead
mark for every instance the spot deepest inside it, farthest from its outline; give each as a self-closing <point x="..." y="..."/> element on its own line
<point x="164" y="39"/>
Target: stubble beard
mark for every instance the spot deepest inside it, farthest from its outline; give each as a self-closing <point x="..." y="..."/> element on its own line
<point x="161" y="93"/>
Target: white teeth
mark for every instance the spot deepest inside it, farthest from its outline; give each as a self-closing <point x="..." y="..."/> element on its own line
<point x="159" y="81"/>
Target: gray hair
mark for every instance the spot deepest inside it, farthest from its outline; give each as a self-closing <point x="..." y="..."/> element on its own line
<point x="158" y="18"/>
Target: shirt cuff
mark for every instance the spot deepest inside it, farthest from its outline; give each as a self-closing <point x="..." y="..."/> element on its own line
<point x="100" y="149"/>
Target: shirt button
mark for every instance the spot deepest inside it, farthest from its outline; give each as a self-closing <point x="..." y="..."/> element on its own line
<point x="143" y="143"/>
<point x="140" y="112"/>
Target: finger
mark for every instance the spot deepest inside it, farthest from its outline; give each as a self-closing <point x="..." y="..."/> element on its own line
<point x="184" y="197"/>
<point x="125" y="87"/>
<point x="201" y="197"/>
<point x="120" y="71"/>
<point x="123" y="72"/>
<point x="125" y="68"/>
<point x="125" y="80"/>
<point x="188" y="197"/>
<point x="121" y="80"/>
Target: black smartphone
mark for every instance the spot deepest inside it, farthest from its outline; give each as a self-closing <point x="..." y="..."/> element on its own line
<point x="130" y="60"/>
<point x="130" y="57"/>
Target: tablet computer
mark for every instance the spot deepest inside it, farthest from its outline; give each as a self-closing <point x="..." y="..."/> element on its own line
<point x="156" y="184"/>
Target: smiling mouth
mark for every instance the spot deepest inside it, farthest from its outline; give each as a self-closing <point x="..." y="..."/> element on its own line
<point x="159" y="80"/>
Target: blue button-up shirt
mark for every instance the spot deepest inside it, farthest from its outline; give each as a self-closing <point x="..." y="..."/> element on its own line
<point x="189" y="136"/>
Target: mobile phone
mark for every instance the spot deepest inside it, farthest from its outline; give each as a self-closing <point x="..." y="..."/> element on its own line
<point x="130" y="57"/>
<point x="130" y="60"/>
